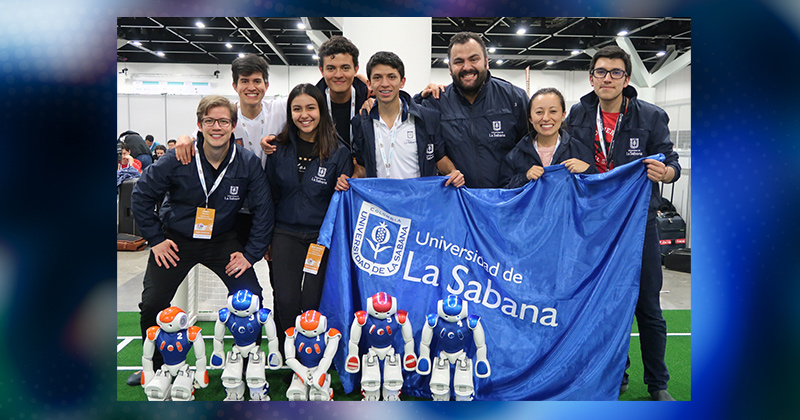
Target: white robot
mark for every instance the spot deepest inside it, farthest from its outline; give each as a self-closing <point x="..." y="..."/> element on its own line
<point x="382" y="321"/>
<point x="309" y="352"/>
<point x="243" y="317"/>
<point x="454" y="330"/>
<point x="174" y="340"/>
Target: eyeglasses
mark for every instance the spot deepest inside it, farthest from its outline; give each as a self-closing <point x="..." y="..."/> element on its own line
<point x="615" y="73"/>
<point x="208" y="122"/>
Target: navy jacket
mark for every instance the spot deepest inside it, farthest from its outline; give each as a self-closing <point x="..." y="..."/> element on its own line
<point x="300" y="206"/>
<point x="478" y="136"/>
<point x="430" y="147"/>
<point x="643" y="131"/>
<point x="243" y="179"/>
<point x="513" y="172"/>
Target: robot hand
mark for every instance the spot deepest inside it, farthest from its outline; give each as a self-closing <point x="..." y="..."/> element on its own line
<point x="353" y="364"/>
<point x="274" y="360"/>
<point x="410" y="362"/>
<point x="482" y="368"/>
<point x="318" y="379"/>
<point x="200" y="378"/>
<point x="424" y="366"/>
<point x="147" y="376"/>
<point x="217" y="360"/>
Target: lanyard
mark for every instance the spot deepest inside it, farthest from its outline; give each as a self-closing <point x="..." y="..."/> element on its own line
<point x="387" y="162"/>
<point x="352" y="107"/>
<point x="601" y="133"/>
<point x="219" y="177"/>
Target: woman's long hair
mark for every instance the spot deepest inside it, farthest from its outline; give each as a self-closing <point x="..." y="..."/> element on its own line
<point x="327" y="138"/>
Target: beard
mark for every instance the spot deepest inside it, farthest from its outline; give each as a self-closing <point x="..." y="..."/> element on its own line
<point x="475" y="86"/>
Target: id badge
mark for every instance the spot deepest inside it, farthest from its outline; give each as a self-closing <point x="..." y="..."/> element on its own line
<point x="313" y="258"/>
<point x="203" y="223"/>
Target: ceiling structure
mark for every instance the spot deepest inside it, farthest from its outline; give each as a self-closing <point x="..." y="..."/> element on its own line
<point x="562" y="43"/>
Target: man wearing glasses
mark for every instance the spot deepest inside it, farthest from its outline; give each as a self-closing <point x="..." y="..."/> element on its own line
<point x="197" y="226"/>
<point x="632" y="129"/>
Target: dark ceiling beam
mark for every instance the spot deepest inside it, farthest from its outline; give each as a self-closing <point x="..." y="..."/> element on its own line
<point x="268" y="39"/>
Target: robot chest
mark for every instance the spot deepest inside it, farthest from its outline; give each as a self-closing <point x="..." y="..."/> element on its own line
<point x="453" y="333"/>
<point x="243" y="326"/>
<point x="175" y="344"/>
<point x="310" y="348"/>
<point x="383" y="328"/>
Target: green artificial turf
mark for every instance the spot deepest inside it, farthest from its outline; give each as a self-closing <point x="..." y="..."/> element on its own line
<point x="678" y="358"/>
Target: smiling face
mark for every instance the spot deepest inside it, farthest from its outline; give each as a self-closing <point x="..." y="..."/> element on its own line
<point x="251" y="88"/>
<point x="216" y="136"/>
<point x="338" y="71"/>
<point x="305" y="115"/>
<point x="608" y="89"/>
<point x="386" y="83"/>
<point x="547" y="114"/>
<point x="468" y="66"/>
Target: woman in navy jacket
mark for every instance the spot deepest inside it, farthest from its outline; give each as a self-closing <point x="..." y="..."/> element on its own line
<point x="550" y="146"/>
<point x="302" y="173"/>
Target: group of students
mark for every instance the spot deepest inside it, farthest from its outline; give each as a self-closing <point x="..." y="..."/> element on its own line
<point x="257" y="181"/>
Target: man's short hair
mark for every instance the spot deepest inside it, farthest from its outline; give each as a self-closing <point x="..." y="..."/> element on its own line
<point x="125" y="146"/>
<point x="337" y="45"/>
<point x="172" y="141"/>
<point x="386" y="58"/>
<point x="161" y="147"/>
<point x="463" y="38"/>
<point x="249" y="64"/>
<point x="612" y="52"/>
<point x="213" y="101"/>
<point x="149" y="137"/>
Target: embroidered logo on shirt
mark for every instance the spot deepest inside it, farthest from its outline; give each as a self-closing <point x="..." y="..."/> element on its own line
<point x="633" y="149"/>
<point x="429" y="152"/>
<point x="320" y="176"/>
<point x="497" y="130"/>
<point x="233" y="193"/>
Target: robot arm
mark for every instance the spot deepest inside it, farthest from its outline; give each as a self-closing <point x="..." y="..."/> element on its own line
<point x="482" y="368"/>
<point x="274" y="360"/>
<point x="201" y="374"/>
<point x="424" y="365"/>
<point x="218" y="355"/>
<point x="148" y="348"/>
<point x="353" y="364"/>
<point x="409" y="358"/>
<point x="321" y="371"/>
<point x="291" y="360"/>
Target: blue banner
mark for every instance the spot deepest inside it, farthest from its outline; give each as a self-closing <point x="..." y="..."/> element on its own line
<point x="551" y="268"/>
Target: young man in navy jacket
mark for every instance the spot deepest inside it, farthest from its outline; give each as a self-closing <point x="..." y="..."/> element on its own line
<point x="197" y="227"/>
<point x="397" y="138"/>
<point x="632" y="129"/>
<point x="483" y="117"/>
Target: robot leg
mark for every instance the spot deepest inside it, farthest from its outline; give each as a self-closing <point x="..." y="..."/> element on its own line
<point x="324" y="394"/>
<point x="183" y="385"/>
<point x="298" y="391"/>
<point x="232" y="377"/>
<point x="256" y="377"/>
<point x="392" y="378"/>
<point x="440" y="379"/>
<point x="370" y="378"/>
<point x="462" y="380"/>
<point x="158" y="389"/>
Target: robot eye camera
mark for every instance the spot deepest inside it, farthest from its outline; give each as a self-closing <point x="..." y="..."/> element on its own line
<point x="452" y="308"/>
<point x="172" y="319"/>
<point x="312" y="323"/>
<point x="243" y="303"/>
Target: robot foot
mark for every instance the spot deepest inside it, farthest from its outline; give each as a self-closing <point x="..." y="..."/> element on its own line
<point x="259" y="394"/>
<point x="392" y="396"/>
<point x="235" y="393"/>
<point x="370" y="395"/>
<point x="440" y="397"/>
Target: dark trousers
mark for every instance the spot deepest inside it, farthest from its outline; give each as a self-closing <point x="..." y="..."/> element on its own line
<point x="294" y="291"/>
<point x="161" y="283"/>
<point x="652" y="327"/>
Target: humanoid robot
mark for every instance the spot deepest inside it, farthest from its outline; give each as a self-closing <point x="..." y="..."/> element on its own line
<point x="309" y="352"/>
<point x="174" y="340"/>
<point x="243" y="317"/>
<point x="381" y="321"/>
<point x="454" y="330"/>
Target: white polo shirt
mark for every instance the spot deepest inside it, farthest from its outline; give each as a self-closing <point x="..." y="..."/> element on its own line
<point x="397" y="146"/>
<point x="271" y="120"/>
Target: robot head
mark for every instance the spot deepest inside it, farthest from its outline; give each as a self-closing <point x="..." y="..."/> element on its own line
<point x="381" y="305"/>
<point x="172" y="319"/>
<point x="243" y="303"/>
<point x="311" y="323"/>
<point x="452" y="309"/>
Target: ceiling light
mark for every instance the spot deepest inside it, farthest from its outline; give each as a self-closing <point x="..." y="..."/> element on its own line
<point x="200" y="25"/>
<point x="661" y="53"/>
<point x="550" y="62"/>
<point x="492" y="50"/>
<point x="241" y="54"/>
<point x="447" y="61"/>
<point x="575" y="52"/>
<point x="500" y="61"/>
<point x="521" y="31"/>
<point x="622" y="33"/>
<point x="137" y="43"/>
<point x="160" y="53"/>
<point x="228" y="44"/>
<point x="310" y="47"/>
<point x="301" y="25"/>
<point x="315" y="57"/>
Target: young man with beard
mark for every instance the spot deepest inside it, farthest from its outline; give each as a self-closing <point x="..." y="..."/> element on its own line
<point x="632" y="129"/>
<point x="483" y="117"/>
<point x="197" y="228"/>
<point x="397" y="138"/>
